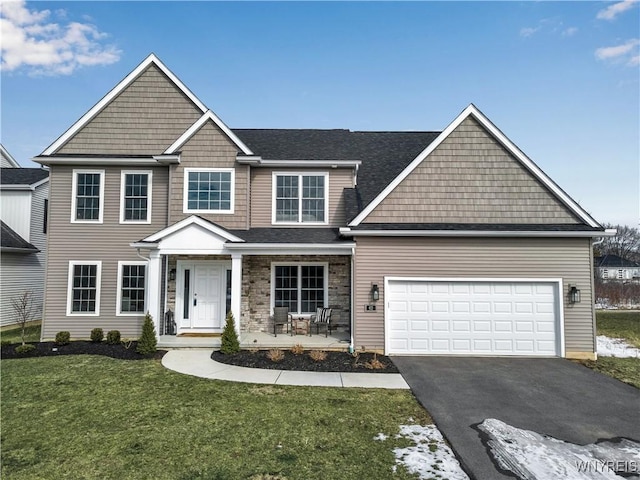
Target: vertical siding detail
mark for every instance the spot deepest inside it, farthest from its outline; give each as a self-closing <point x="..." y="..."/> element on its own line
<point x="261" y="194"/>
<point x="147" y="117"/>
<point x="107" y="242"/>
<point x="474" y="257"/>
<point x="210" y="148"/>
<point x="470" y="178"/>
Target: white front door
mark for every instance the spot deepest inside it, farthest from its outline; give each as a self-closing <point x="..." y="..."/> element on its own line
<point x="200" y="296"/>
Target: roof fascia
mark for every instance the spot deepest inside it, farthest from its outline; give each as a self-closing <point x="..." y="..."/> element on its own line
<point x="500" y="137"/>
<point x="469" y="233"/>
<point x="87" y="117"/>
<point x="9" y="157"/>
<point x="19" y="250"/>
<point x="221" y="232"/>
<point x="21" y="188"/>
<point x="345" y="248"/>
<point x="206" y="116"/>
<point x="86" y="161"/>
<point x="258" y="161"/>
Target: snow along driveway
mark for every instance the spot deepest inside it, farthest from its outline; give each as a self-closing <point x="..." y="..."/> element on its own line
<point x="616" y="347"/>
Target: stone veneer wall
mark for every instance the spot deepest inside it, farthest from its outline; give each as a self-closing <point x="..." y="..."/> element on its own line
<point x="256" y="287"/>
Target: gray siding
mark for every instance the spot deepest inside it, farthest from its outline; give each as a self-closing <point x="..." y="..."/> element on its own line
<point x="147" y="117"/>
<point x="211" y="148"/>
<point x="261" y="194"/>
<point x="470" y="178"/>
<point x="568" y="259"/>
<point x="107" y="242"/>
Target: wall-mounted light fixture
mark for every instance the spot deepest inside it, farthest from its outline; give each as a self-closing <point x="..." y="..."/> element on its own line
<point x="375" y="292"/>
<point x="574" y="294"/>
<point x="172" y="274"/>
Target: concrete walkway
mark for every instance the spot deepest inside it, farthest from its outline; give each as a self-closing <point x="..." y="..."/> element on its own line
<point x="198" y="362"/>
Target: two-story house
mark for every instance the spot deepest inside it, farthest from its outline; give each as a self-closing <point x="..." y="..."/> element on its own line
<point x="24" y="194"/>
<point x="450" y="242"/>
<point x="615" y="268"/>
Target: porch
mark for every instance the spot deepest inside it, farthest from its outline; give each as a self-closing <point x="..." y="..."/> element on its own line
<point x="338" y="340"/>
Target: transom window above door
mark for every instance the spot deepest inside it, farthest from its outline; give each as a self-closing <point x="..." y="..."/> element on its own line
<point x="208" y="190"/>
<point x="300" y="198"/>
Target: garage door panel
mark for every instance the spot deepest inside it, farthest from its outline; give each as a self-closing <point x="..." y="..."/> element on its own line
<point x="462" y="318"/>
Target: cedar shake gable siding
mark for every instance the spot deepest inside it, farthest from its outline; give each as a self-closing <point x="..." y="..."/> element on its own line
<point x="471" y="178"/>
<point x="144" y="119"/>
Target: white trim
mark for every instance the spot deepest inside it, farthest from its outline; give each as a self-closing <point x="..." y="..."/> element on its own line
<point x="98" y="161"/>
<point x="258" y="161"/>
<point x="299" y="265"/>
<point x="123" y="175"/>
<point x="185" y="191"/>
<point x="121" y="264"/>
<point x="469" y="233"/>
<point x="208" y="115"/>
<point x="300" y="175"/>
<point x="12" y="161"/>
<point x="471" y="110"/>
<point x="290" y="248"/>
<point x="559" y="300"/>
<point x="128" y="80"/>
<point x="156" y="237"/>
<point x="74" y="190"/>
<point x="73" y="263"/>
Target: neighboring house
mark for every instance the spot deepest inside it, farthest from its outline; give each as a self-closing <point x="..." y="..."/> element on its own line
<point x="6" y="159"/>
<point x="24" y="194"/>
<point x="449" y="242"/>
<point x="618" y="269"/>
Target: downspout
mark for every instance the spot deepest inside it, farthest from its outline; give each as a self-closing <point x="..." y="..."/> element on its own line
<point x="351" y="344"/>
<point x="593" y="303"/>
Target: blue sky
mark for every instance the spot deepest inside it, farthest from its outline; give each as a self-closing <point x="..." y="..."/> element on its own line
<point x="560" y="79"/>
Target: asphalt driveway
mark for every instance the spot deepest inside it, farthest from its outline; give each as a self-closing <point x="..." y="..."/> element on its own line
<point x="550" y="396"/>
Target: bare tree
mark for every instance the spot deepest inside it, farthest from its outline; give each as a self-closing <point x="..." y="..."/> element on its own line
<point x="625" y="244"/>
<point x="23" y="308"/>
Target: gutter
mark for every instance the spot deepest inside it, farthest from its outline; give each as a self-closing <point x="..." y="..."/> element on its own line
<point x="346" y="231"/>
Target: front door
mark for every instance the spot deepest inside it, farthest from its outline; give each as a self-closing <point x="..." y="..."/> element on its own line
<point x="200" y="296"/>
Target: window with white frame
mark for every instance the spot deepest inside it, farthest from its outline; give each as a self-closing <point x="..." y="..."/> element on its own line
<point x="135" y="197"/>
<point x="131" y="288"/>
<point x="300" y="198"/>
<point x="88" y="196"/>
<point x="300" y="287"/>
<point x="605" y="274"/>
<point x="83" y="292"/>
<point x="208" y="190"/>
<point x="620" y="274"/>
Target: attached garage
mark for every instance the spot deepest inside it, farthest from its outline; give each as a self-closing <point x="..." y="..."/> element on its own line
<point x="511" y="317"/>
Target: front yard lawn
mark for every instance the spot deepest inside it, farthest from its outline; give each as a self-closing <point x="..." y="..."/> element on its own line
<point x="625" y="325"/>
<point x="95" y="417"/>
<point x="14" y="335"/>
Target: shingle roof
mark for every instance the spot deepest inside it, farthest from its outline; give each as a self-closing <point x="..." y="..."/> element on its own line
<point x="289" y="235"/>
<point x="614" y="261"/>
<point x="11" y="240"/>
<point x="22" y="176"/>
<point x="383" y="154"/>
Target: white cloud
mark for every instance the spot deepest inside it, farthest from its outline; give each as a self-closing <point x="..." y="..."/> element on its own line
<point x="31" y="40"/>
<point x="626" y="52"/>
<point x="569" y="32"/>
<point x="613" y="10"/>
<point x="528" y="31"/>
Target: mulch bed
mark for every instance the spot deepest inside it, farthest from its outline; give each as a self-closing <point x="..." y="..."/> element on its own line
<point x="50" y="349"/>
<point x="335" y="362"/>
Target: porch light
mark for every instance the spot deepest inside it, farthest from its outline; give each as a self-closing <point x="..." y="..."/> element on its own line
<point x="574" y="294"/>
<point x="375" y="292"/>
<point x="172" y="274"/>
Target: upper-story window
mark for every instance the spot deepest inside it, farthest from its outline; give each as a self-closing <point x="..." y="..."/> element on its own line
<point x="208" y="190"/>
<point x="88" y="196"/>
<point x="605" y="273"/>
<point x="620" y="274"/>
<point x="135" y="196"/>
<point x="300" y="198"/>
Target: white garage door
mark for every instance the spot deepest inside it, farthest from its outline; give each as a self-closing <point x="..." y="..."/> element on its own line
<point x="472" y="318"/>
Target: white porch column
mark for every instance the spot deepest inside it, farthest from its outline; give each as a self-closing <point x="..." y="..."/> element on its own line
<point x="154" y="271"/>
<point x="236" y="288"/>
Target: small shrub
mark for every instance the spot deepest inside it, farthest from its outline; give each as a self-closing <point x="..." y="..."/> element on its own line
<point x="147" y="342"/>
<point x="97" y="335"/>
<point x="126" y="343"/>
<point x="275" y="355"/>
<point x="253" y="350"/>
<point x="229" y="343"/>
<point x="297" y="349"/>
<point x="26" y="349"/>
<point x="113" y="337"/>
<point x="63" y="338"/>
<point x="318" y="355"/>
<point x="374" y="363"/>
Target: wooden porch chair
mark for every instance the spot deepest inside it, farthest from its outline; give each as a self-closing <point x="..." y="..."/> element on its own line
<point x="322" y="318"/>
<point x="281" y="317"/>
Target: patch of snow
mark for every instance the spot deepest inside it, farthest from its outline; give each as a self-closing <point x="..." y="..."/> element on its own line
<point x="431" y="458"/>
<point x="616" y="347"/>
<point x="532" y="456"/>
<point x="380" y="436"/>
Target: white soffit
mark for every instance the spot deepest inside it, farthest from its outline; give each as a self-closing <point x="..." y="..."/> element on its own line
<point x="87" y="117"/>
<point x="500" y="137"/>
